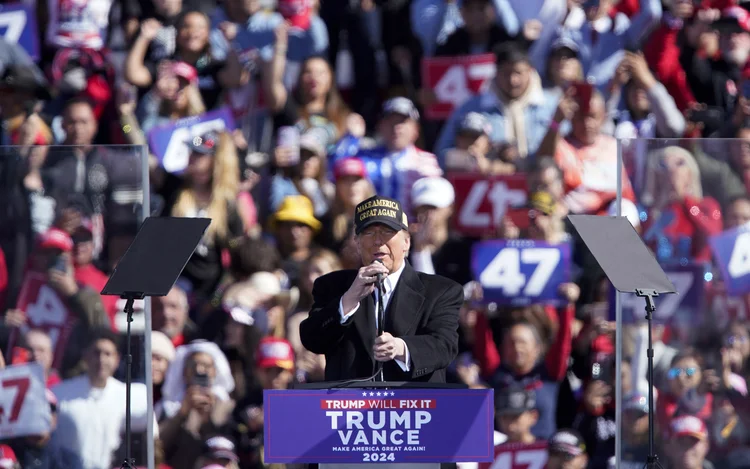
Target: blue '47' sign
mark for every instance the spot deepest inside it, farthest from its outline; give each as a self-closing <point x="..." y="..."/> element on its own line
<point x="18" y="26"/>
<point x="731" y="250"/>
<point x="521" y="272"/>
<point x="169" y="142"/>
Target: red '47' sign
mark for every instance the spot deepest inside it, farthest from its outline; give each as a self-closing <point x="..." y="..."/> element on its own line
<point x="456" y="79"/>
<point x="482" y="202"/>
<point x="44" y="310"/>
<point x="519" y="456"/>
<point x="24" y="410"/>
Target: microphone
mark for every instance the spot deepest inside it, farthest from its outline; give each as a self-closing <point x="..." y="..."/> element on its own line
<point x="380" y="275"/>
<point x="381" y="319"/>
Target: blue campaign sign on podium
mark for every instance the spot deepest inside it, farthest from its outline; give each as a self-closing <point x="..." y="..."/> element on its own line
<point x="731" y="250"/>
<point x="685" y="306"/>
<point x="18" y="26"/>
<point x="349" y="426"/>
<point x="521" y="272"/>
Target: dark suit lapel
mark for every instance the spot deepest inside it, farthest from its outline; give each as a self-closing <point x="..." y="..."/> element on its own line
<point x="404" y="309"/>
<point x="364" y="320"/>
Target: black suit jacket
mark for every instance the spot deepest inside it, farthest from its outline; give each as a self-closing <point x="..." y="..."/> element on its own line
<point x="423" y="311"/>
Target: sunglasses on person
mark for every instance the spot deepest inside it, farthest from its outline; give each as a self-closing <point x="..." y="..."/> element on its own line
<point x="736" y="339"/>
<point x="675" y="373"/>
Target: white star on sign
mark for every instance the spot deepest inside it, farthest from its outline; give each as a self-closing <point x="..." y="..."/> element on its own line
<point x="393" y="393"/>
<point x="372" y="393"/>
<point x="378" y="394"/>
<point x="364" y="394"/>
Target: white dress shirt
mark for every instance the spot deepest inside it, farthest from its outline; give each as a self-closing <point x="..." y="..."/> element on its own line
<point x="90" y="420"/>
<point x="389" y="284"/>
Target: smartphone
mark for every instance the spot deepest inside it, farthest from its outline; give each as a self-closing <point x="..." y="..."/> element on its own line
<point x="58" y="263"/>
<point x="584" y="92"/>
<point x="289" y="137"/>
<point x="710" y="115"/>
<point x="201" y="379"/>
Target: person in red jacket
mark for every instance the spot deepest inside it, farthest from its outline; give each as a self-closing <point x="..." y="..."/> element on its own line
<point x="678" y="211"/>
<point x="662" y="53"/>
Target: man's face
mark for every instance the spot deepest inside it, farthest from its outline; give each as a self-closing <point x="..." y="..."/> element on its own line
<point x="521" y="347"/>
<point x="170" y="313"/>
<point x="83" y="252"/>
<point x="398" y="131"/>
<point x="548" y="180"/>
<point x="588" y="125"/>
<point x="738" y="213"/>
<point x="293" y="236"/>
<point x="102" y="359"/>
<point x="379" y="242"/>
<point x="688" y="452"/>
<point x="41" y="348"/>
<point x="516" y="426"/>
<point x="79" y="124"/>
<point x="437" y="218"/>
<point x="735" y="47"/>
<point x="513" y="78"/>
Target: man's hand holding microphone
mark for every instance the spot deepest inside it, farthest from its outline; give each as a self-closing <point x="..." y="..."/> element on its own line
<point x="386" y="347"/>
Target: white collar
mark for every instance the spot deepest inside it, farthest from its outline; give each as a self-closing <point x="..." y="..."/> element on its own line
<point x="391" y="280"/>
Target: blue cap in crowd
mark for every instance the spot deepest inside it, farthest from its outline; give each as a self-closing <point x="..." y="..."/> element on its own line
<point x="402" y="106"/>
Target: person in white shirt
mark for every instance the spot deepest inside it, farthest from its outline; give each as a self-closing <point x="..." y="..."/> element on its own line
<point x="91" y="407"/>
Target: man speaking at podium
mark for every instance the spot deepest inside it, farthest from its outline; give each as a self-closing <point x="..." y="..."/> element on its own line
<point x="419" y="337"/>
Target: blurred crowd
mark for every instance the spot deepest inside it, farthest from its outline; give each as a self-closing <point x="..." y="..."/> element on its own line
<point x="326" y="103"/>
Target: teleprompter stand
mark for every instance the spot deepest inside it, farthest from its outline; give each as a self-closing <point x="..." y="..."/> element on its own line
<point x="631" y="268"/>
<point x="150" y="267"/>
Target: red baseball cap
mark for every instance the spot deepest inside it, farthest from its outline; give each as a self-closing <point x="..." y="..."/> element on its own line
<point x="185" y="70"/>
<point x="688" y="425"/>
<point x="349" y="167"/>
<point x="8" y="458"/>
<point x="296" y="12"/>
<point x="275" y="352"/>
<point x="55" y="238"/>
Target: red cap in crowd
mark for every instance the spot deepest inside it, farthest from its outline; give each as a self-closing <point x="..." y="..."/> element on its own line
<point x="274" y="352"/>
<point x="185" y="70"/>
<point x="688" y="425"/>
<point x="8" y="458"/>
<point x="738" y="14"/>
<point x="296" y="12"/>
<point x="55" y="238"/>
<point x="349" y="167"/>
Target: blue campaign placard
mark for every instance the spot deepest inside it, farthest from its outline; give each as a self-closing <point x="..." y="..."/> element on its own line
<point x="18" y="26"/>
<point x="684" y="307"/>
<point x="731" y="250"/>
<point x="350" y="426"/>
<point x="169" y="142"/>
<point x="521" y="272"/>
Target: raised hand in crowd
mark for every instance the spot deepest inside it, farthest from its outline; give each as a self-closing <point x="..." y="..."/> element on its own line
<point x="597" y="395"/>
<point x="281" y="35"/>
<point x="228" y="30"/>
<point x="532" y="29"/>
<point x="507" y="229"/>
<point x="570" y="291"/>
<point x="198" y="399"/>
<point x="355" y="125"/>
<point x="15" y="318"/>
<point x="567" y="107"/>
<point x="63" y="281"/>
<point x="149" y="29"/>
<point x="639" y="70"/>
